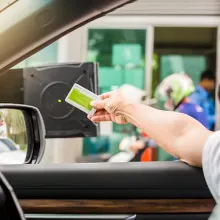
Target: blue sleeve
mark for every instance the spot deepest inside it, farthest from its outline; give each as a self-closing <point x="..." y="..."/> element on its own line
<point x="210" y="111"/>
<point x="207" y="104"/>
<point x="184" y="110"/>
<point x="211" y="115"/>
<point x="196" y="98"/>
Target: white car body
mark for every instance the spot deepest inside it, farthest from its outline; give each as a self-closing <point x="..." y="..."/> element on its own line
<point x="12" y="157"/>
<point x="10" y="152"/>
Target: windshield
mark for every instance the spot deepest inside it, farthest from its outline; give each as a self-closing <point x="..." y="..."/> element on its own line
<point x="45" y="78"/>
<point x="5" y="4"/>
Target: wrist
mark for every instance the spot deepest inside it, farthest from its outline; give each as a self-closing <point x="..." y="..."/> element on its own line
<point x="128" y="109"/>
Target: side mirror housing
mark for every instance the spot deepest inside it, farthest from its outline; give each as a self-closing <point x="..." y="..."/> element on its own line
<point x="23" y="139"/>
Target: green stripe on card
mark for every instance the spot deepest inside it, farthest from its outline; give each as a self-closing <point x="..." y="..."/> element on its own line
<point x="80" y="99"/>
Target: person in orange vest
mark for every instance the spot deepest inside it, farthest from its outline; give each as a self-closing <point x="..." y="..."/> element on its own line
<point x="139" y="146"/>
<point x="144" y="148"/>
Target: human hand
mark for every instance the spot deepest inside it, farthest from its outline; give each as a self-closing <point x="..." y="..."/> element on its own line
<point x="110" y="108"/>
<point x="126" y="143"/>
<point x="137" y="145"/>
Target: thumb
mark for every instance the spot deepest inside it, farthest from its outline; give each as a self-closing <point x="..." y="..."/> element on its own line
<point x="98" y="104"/>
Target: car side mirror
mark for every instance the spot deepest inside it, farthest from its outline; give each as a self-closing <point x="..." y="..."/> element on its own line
<point x="22" y="134"/>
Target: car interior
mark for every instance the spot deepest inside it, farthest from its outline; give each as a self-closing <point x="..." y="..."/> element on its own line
<point x="139" y="191"/>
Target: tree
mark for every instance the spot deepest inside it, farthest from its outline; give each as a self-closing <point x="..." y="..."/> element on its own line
<point x="16" y="127"/>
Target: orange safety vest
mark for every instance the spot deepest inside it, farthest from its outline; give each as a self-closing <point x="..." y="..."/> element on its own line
<point x="149" y="153"/>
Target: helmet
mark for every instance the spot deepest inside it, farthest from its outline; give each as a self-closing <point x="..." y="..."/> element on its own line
<point x="173" y="89"/>
<point x="133" y="93"/>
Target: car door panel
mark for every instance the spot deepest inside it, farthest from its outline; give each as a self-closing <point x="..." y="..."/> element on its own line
<point x="103" y="188"/>
<point x="155" y="180"/>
